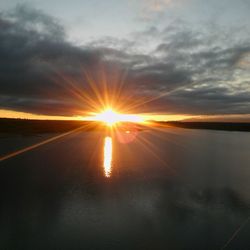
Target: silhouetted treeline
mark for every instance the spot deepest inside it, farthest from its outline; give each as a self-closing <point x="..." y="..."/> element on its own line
<point x="25" y="126"/>
<point x="229" y="126"/>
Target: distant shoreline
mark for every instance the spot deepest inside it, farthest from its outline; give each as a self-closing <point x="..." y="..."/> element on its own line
<point x="226" y="126"/>
<point x="23" y="126"/>
<point x="26" y="126"/>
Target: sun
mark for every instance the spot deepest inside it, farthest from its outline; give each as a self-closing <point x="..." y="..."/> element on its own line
<point x="111" y="117"/>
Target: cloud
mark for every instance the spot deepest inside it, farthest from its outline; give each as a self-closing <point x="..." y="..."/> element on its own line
<point x="150" y="10"/>
<point x="187" y="70"/>
<point x="33" y="49"/>
<point x="157" y="5"/>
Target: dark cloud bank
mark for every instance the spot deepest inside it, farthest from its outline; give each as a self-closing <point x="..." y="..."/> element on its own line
<point x="192" y="71"/>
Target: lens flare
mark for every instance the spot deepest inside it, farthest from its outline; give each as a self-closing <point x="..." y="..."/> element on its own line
<point x="107" y="162"/>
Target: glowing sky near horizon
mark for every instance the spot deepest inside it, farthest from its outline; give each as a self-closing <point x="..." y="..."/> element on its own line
<point x="186" y="58"/>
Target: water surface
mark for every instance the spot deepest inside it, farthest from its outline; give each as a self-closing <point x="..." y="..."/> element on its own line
<point x="174" y="189"/>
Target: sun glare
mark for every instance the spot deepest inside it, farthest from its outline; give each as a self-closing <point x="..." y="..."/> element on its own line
<point x="111" y="117"/>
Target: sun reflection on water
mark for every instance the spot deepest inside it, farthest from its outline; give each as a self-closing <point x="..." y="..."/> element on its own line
<point x="107" y="162"/>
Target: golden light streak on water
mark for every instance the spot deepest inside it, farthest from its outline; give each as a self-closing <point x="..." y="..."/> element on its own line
<point x="107" y="157"/>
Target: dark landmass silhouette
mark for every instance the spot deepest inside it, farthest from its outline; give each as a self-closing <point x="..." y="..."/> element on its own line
<point x="26" y="126"/>
<point x="227" y="126"/>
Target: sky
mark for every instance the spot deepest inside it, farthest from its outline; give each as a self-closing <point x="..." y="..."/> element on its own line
<point x="168" y="58"/>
